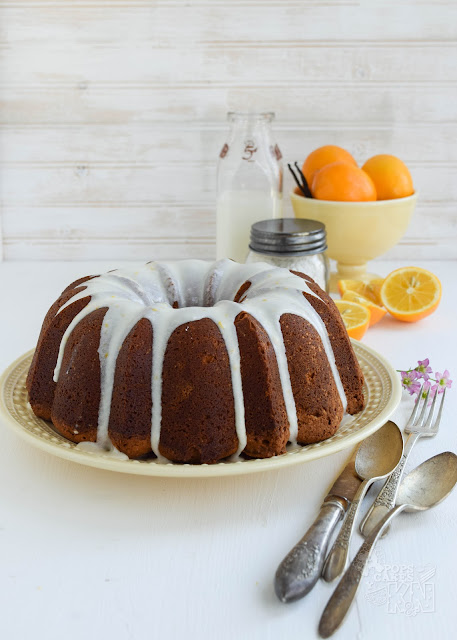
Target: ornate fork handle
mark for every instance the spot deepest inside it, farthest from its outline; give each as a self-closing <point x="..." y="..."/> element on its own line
<point x="385" y="500"/>
<point x="344" y="594"/>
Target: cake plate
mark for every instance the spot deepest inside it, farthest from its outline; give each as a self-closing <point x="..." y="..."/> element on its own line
<point x="382" y="391"/>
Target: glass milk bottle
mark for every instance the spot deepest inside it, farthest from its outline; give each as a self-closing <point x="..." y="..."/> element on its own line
<point x="249" y="182"/>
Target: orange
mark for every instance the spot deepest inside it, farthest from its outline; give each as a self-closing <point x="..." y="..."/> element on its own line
<point x="390" y="175"/>
<point x="355" y="316"/>
<point x="411" y="293"/>
<point x="321" y="157"/>
<point x="343" y="181"/>
<point x="376" y="312"/>
<point x="368" y="290"/>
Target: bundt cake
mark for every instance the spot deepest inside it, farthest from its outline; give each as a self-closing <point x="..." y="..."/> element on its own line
<point x="195" y="362"/>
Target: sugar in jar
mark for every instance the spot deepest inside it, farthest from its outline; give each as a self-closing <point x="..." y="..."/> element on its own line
<point x="293" y="243"/>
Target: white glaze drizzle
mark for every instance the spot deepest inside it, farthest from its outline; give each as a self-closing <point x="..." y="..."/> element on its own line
<point x="118" y="321"/>
<point x="201" y="290"/>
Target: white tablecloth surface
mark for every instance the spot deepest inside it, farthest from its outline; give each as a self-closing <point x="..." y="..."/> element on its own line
<point x="91" y="554"/>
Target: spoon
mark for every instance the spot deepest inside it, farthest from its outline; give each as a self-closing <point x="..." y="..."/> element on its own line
<point x="376" y="458"/>
<point x="423" y="488"/>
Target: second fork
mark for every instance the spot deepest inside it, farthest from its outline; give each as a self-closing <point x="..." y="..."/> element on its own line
<point x="416" y="427"/>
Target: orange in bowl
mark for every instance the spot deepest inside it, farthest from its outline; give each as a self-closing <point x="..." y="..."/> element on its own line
<point x="344" y="182"/>
<point x="321" y="157"/>
<point x="390" y="175"/>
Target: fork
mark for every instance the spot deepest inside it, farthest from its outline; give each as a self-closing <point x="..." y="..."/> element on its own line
<point x="416" y="427"/>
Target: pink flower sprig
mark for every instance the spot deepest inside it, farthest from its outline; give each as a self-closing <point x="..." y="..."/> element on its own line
<point x="412" y="380"/>
<point x="443" y="381"/>
<point x="423" y="367"/>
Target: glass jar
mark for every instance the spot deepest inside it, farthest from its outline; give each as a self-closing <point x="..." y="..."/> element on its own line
<point x="293" y="243"/>
<point x="249" y="182"/>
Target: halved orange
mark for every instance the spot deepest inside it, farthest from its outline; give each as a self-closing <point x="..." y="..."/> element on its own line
<point x="355" y="316"/>
<point x="368" y="290"/>
<point x="411" y="293"/>
<point x="376" y="312"/>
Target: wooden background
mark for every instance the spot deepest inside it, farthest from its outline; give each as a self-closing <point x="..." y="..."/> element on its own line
<point x="113" y="113"/>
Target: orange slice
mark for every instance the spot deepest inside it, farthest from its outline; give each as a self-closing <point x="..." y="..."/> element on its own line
<point x="376" y="312"/>
<point x="355" y="316"/>
<point x="411" y="293"/>
<point x="368" y="290"/>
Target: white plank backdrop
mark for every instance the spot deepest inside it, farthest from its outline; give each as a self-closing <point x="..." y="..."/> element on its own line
<point x="113" y="113"/>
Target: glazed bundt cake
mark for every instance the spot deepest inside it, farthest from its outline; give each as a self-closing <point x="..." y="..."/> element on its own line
<point x="195" y="362"/>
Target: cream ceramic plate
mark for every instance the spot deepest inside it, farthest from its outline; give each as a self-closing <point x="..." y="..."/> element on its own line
<point x="382" y="390"/>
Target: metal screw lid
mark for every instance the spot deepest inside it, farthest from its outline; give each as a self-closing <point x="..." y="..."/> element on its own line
<point x="295" y="236"/>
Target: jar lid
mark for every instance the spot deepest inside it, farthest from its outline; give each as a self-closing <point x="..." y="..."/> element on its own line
<point x="296" y="236"/>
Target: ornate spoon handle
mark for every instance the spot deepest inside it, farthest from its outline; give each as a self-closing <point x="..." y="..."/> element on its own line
<point x="343" y="596"/>
<point x="337" y="558"/>
<point x="300" y="570"/>
<point x="385" y="500"/>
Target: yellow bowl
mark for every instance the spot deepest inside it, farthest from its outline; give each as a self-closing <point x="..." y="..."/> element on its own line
<point x="357" y="231"/>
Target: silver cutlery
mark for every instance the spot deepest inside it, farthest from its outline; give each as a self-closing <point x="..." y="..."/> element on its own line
<point x="417" y="427"/>
<point x="301" y="568"/>
<point x="424" y="487"/>
<point x="376" y="458"/>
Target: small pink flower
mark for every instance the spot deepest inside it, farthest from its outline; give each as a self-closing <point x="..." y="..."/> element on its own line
<point x="410" y="381"/>
<point x="423" y="368"/>
<point x="443" y="381"/>
<point x="425" y="388"/>
<point x="428" y="386"/>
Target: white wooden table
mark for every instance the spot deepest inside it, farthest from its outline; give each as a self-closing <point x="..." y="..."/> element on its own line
<point x="91" y="554"/>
